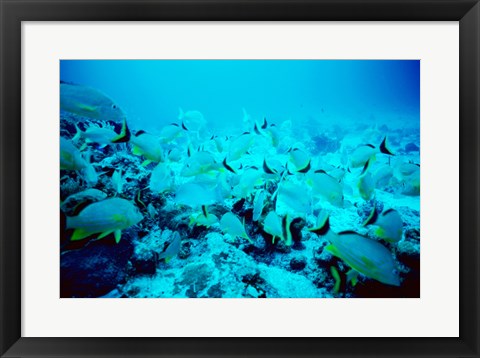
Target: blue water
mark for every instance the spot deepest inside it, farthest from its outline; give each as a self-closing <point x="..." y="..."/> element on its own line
<point x="150" y="92"/>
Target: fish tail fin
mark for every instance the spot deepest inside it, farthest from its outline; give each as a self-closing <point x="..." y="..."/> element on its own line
<point x="245" y="235"/>
<point x="338" y="280"/>
<point x="78" y="134"/>
<point x="323" y="228"/>
<point x="255" y="128"/>
<point x="228" y="167"/>
<point x="383" y="147"/>
<point x="367" y="165"/>
<point x="124" y="135"/>
<point x="372" y="217"/>
<point x="288" y="232"/>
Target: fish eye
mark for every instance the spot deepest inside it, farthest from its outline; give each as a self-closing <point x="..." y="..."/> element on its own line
<point x="114" y="106"/>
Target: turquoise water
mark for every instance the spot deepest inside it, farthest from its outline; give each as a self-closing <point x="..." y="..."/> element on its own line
<point x="150" y="92"/>
<point x="240" y="178"/>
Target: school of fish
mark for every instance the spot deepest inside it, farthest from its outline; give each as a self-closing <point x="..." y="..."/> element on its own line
<point x="262" y="167"/>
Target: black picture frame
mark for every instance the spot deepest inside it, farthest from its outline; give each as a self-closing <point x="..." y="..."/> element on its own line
<point x="13" y="12"/>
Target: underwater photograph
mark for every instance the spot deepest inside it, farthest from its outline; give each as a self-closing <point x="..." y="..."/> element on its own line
<point x="239" y="178"/>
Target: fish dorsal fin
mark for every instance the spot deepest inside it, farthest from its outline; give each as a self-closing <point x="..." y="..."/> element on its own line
<point x="140" y="132"/>
<point x="265" y="124"/>
<point x="348" y="232"/>
<point x="79" y="207"/>
<point x="370" y="145"/>
<point x="228" y="167"/>
<point x="321" y="171"/>
<point x="306" y="169"/>
<point x="184" y="127"/>
<point x="387" y="211"/>
<point x="266" y="168"/>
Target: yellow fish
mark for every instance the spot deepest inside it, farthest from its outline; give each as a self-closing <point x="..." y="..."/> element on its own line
<point x="173" y="248"/>
<point x="326" y="186"/>
<point x="204" y="218"/>
<point x="72" y="159"/>
<point x="161" y="179"/>
<point x="88" y="102"/>
<point x="230" y="224"/>
<point x="366" y="152"/>
<point x="149" y="146"/>
<point x="104" y="217"/>
<point x="103" y="135"/>
<point x="389" y="224"/>
<point x="366" y="183"/>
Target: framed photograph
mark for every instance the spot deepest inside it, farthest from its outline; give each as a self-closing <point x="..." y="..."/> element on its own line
<point x="239" y="178"/>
